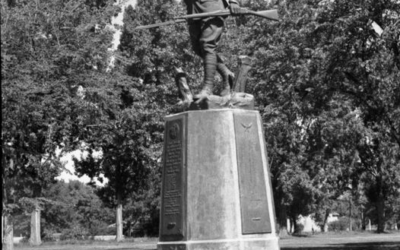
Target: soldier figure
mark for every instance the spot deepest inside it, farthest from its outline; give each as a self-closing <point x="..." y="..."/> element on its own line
<point x="205" y="34"/>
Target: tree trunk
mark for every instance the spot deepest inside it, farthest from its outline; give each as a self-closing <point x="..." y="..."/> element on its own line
<point x="294" y="225"/>
<point x="380" y="210"/>
<point x="363" y="221"/>
<point x="129" y="229"/>
<point x="324" y="227"/>
<point x="380" y="204"/>
<point x="350" y="215"/>
<point x="282" y="222"/>
<point x="119" y="223"/>
<point x="35" y="226"/>
<point x="7" y="233"/>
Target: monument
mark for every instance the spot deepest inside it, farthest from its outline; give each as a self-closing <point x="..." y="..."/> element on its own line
<point x="216" y="187"/>
<point x="216" y="191"/>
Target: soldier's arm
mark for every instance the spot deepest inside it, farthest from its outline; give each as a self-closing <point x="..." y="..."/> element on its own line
<point x="234" y="6"/>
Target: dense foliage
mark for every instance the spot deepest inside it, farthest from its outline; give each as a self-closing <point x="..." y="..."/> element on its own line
<point x="75" y="211"/>
<point x="329" y="86"/>
<point x="49" y="51"/>
<point x="325" y="81"/>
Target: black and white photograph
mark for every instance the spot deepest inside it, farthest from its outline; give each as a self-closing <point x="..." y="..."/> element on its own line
<point x="200" y="124"/>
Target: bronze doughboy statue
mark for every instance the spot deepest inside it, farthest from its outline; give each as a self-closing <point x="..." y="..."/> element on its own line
<point x="206" y="19"/>
<point x="205" y="34"/>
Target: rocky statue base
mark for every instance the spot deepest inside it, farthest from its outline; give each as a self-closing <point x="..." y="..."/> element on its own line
<point x="235" y="101"/>
<point x="216" y="191"/>
<point x="232" y="101"/>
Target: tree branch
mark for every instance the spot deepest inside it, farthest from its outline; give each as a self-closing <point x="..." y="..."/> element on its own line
<point x="389" y="122"/>
<point x="396" y="52"/>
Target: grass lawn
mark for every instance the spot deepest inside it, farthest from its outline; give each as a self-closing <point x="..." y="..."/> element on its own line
<point x="329" y="241"/>
<point x="136" y="244"/>
<point x="343" y="240"/>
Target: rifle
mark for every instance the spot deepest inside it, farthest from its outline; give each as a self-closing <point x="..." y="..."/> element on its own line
<point x="268" y="14"/>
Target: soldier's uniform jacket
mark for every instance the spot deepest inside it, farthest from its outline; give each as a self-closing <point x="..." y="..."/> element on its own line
<point x="205" y="33"/>
<point x="202" y="6"/>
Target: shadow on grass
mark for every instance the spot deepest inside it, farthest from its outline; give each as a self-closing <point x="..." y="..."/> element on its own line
<point x="130" y="248"/>
<point x="348" y="246"/>
<point x="302" y="235"/>
<point x="352" y="246"/>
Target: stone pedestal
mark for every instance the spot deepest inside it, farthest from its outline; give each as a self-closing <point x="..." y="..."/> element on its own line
<point x="216" y="191"/>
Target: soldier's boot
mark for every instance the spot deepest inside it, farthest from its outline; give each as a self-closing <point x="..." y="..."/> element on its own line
<point x="227" y="78"/>
<point x="210" y="67"/>
<point x="184" y="92"/>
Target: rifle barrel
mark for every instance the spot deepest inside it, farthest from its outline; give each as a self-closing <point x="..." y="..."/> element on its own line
<point x="206" y="14"/>
<point x="268" y="14"/>
<point x="142" y="27"/>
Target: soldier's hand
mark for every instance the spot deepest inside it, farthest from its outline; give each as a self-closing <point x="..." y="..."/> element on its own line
<point x="235" y="9"/>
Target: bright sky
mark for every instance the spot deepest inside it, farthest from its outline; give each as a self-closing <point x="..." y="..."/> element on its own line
<point x="119" y="18"/>
<point x="69" y="165"/>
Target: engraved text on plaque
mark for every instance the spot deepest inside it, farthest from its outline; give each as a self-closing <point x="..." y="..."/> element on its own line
<point x="172" y="194"/>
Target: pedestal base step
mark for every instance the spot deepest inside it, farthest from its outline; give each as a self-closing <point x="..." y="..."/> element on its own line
<point x="234" y="244"/>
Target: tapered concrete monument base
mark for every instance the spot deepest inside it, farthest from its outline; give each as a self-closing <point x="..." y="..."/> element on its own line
<point x="216" y="191"/>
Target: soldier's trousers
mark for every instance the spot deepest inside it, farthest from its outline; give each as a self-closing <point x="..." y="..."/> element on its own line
<point x="205" y="35"/>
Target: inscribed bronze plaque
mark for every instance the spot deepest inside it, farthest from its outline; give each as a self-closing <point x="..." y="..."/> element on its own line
<point x="172" y="203"/>
<point x="252" y="189"/>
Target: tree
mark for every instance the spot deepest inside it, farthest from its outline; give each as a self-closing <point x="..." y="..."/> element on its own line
<point x="367" y="77"/>
<point x="126" y="132"/>
<point x="324" y="58"/>
<point x="48" y="50"/>
<point x="76" y="210"/>
<point x="30" y="186"/>
<point x="72" y="209"/>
